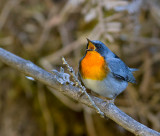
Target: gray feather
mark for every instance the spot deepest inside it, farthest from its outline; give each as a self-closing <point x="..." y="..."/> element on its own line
<point x="120" y="70"/>
<point x="133" y="69"/>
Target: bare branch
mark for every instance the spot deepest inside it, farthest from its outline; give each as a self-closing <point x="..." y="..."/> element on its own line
<point x="109" y="109"/>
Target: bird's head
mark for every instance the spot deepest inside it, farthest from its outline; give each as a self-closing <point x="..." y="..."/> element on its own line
<point x="98" y="46"/>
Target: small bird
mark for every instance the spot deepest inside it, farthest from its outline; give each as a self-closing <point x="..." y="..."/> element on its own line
<point x="103" y="72"/>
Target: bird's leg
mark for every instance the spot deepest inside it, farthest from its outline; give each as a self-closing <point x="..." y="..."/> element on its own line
<point x="109" y="100"/>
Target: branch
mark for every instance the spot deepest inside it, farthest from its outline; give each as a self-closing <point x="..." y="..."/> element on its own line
<point x="78" y="84"/>
<point x="109" y="109"/>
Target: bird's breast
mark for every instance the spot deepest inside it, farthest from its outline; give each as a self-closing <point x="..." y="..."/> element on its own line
<point x="93" y="66"/>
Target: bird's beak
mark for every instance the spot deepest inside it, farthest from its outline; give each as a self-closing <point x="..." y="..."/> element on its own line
<point x="88" y="40"/>
<point x="90" y="46"/>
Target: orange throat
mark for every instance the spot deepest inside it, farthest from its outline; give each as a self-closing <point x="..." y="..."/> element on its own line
<point x="93" y="66"/>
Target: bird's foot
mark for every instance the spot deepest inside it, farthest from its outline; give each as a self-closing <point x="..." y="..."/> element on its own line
<point x="108" y="100"/>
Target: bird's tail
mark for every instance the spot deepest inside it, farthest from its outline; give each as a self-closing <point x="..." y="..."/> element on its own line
<point x="133" y="69"/>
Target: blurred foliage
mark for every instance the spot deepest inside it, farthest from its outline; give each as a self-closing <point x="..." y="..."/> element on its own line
<point x="43" y="31"/>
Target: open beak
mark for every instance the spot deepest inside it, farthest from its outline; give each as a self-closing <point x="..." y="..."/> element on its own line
<point x="88" y="40"/>
<point x="91" y="46"/>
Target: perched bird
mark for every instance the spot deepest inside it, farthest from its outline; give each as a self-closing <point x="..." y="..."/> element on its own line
<point x="104" y="72"/>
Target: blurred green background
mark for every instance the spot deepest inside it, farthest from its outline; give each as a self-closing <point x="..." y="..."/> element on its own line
<point x="43" y="31"/>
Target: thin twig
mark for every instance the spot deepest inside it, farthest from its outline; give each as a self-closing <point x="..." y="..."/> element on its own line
<point x="78" y="84"/>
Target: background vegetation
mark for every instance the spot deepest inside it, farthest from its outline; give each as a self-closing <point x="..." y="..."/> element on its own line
<point x="43" y="31"/>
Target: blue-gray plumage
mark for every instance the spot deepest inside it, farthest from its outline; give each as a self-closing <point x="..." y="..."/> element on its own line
<point x="118" y="68"/>
<point x="117" y="79"/>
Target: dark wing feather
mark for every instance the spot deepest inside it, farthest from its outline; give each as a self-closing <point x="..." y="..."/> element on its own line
<point x="120" y="70"/>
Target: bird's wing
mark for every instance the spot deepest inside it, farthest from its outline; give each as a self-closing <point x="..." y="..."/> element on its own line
<point x="119" y="70"/>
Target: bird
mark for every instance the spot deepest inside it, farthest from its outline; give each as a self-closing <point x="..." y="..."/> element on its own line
<point x="103" y="72"/>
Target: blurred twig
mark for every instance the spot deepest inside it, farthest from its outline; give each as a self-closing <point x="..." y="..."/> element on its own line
<point x="109" y="109"/>
<point x="89" y="122"/>
<point x="6" y="10"/>
<point x="45" y="112"/>
<point x="55" y="56"/>
<point x="66" y="101"/>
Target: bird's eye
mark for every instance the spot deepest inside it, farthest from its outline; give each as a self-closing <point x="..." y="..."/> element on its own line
<point x="99" y="47"/>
